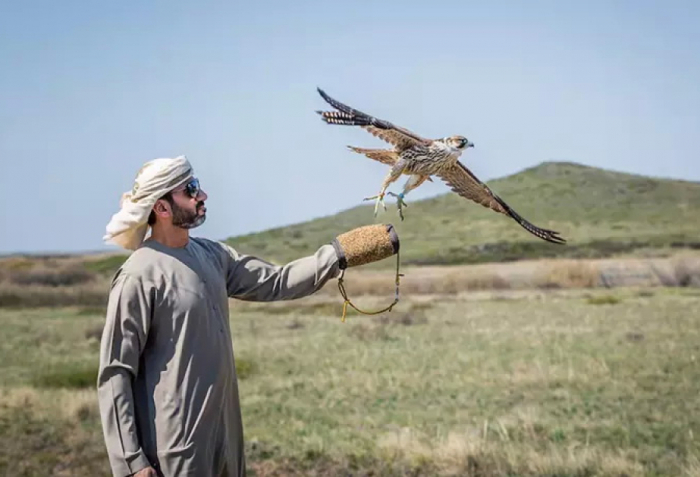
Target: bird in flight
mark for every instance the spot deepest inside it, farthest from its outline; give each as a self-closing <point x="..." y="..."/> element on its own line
<point x="420" y="158"/>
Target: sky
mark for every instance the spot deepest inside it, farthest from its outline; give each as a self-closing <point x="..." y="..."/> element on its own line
<point x="89" y="91"/>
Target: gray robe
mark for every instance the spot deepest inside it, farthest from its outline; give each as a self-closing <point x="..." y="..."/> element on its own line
<point x="167" y="386"/>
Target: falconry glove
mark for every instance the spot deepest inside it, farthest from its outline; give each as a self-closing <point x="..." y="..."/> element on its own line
<point x="363" y="245"/>
<point x="367" y="244"/>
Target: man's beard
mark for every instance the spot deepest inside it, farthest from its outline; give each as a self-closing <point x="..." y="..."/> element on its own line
<point x="188" y="220"/>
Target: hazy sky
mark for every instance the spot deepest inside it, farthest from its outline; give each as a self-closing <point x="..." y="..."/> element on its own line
<point x="89" y="91"/>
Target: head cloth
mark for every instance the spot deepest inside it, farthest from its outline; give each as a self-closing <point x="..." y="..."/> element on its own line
<point x="156" y="178"/>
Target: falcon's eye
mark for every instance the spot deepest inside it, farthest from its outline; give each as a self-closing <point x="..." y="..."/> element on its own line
<point x="462" y="142"/>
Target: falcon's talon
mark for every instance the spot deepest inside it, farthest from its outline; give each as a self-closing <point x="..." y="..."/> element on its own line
<point x="400" y="203"/>
<point x="380" y="200"/>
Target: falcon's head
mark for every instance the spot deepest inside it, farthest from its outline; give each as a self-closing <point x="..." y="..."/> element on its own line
<point x="459" y="142"/>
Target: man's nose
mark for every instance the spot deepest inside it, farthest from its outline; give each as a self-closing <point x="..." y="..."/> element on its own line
<point x="202" y="195"/>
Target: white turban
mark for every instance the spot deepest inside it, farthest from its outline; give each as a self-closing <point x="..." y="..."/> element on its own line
<point x="156" y="178"/>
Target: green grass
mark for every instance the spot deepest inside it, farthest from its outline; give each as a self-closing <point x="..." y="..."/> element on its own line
<point x="604" y="300"/>
<point x="532" y="384"/>
<point x="107" y="265"/>
<point x="67" y="375"/>
<point x="601" y="213"/>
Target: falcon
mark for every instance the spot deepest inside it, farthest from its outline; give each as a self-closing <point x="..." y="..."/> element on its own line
<point x="420" y="158"/>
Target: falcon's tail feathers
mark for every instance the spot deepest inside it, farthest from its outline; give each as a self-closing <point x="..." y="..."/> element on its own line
<point x="347" y="116"/>
<point x="385" y="156"/>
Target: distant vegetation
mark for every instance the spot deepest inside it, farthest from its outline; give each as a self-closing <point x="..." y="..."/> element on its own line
<point x="107" y="265"/>
<point x="601" y="213"/>
<point x="72" y="282"/>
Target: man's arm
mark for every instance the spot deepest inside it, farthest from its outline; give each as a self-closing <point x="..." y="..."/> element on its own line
<point x="123" y="339"/>
<point x="254" y="279"/>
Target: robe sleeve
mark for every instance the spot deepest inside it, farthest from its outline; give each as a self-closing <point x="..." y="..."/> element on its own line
<point x="123" y="338"/>
<point x="253" y="279"/>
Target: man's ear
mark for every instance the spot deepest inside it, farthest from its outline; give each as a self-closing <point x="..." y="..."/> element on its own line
<point x="162" y="209"/>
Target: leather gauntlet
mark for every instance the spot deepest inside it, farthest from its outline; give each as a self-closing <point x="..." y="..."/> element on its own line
<point x="367" y="244"/>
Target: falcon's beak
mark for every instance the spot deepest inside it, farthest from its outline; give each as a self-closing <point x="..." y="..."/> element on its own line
<point x="470" y="144"/>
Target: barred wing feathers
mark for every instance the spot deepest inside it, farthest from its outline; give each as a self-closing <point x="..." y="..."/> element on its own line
<point x="346" y="116"/>
<point x="463" y="182"/>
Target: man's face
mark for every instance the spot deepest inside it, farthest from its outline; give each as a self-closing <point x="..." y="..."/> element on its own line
<point x="188" y="210"/>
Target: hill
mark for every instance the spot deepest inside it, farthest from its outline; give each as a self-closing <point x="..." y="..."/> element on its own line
<point x="600" y="212"/>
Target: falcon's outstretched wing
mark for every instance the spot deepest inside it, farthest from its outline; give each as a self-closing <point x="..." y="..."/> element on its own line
<point x="466" y="184"/>
<point x="347" y="116"/>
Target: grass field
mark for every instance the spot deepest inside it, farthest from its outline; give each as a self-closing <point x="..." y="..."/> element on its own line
<point x="524" y="367"/>
<point x="555" y="383"/>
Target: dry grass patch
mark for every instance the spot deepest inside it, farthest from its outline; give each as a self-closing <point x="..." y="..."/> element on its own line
<point x="450" y="283"/>
<point x="692" y="467"/>
<point x="545" y="274"/>
<point x="549" y="274"/>
<point x="567" y="274"/>
<point x="93" y="293"/>
<point x="488" y="451"/>
<point x="40" y="282"/>
<point x="51" y="275"/>
<point x="85" y="282"/>
<point x="686" y="270"/>
<point x="68" y="404"/>
<point x="50" y="433"/>
<point x="447" y="281"/>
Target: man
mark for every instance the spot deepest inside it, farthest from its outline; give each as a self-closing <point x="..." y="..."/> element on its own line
<point x="167" y="385"/>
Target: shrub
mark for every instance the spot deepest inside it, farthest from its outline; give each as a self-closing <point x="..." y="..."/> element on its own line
<point x="245" y="368"/>
<point x="24" y="296"/>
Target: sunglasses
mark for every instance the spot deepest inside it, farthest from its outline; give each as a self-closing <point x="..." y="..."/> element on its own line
<point x="192" y="188"/>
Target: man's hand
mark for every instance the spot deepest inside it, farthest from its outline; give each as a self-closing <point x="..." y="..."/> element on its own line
<point x="147" y="472"/>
